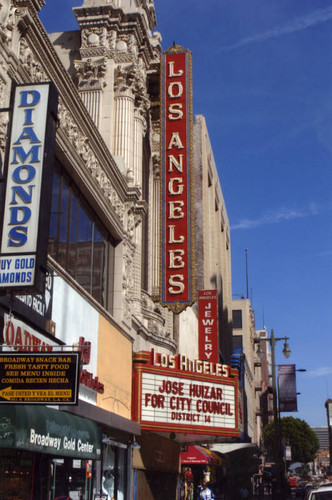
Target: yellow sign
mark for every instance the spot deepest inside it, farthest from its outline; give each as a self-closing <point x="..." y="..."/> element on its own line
<point x="39" y="378"/>
<point x="34" y="395"/>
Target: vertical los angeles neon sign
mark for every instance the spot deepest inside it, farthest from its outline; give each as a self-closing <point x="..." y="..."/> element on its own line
<point x="177" y="273"/>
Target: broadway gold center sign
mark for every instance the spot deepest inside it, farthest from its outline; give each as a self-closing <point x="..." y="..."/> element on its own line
<point x="41" y="378"/>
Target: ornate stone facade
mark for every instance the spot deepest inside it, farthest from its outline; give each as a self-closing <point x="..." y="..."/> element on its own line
<point x="117" y="51"/>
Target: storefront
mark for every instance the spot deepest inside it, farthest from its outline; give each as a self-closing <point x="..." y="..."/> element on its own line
<point x="197" y="464"/>
<point x="46" y="453"/>
<point x="112" y="473"/>
<point x="155" y="468"/>
<point x="242" y="461"/>
<point x="86" y="475"/>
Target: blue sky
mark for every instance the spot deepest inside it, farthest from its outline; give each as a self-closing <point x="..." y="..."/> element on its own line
<point x="262" y="77"/>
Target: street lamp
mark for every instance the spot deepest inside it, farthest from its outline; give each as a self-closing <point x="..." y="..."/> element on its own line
<point x="280" y="473"/>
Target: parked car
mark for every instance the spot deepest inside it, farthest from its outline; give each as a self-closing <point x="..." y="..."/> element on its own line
<point x="323" y="492"/>
<point x="303" y="486"/>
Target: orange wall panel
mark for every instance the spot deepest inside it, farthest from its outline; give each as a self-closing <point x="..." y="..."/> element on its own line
<point x="114" y="369"/>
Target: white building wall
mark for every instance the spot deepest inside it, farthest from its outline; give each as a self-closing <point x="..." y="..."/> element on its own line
<point x="248" y="332"/>
<point x="188" y="337"/>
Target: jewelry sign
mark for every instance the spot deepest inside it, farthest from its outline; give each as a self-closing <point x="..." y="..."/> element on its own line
<point x="177" y="274"/>
<point x="208" y="325"/>
<point x="174" y="393"/>
<point x="26" y="204"/>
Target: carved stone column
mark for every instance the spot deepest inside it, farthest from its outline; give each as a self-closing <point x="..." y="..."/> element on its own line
<point x="132" y="302"/>
<point x="137" y="179"/>
<point x="140" y="129"/>
<point x="155" y="224"/>
<point x="91" y="73"/>
<point x="142" y="105"/>
<point x="124" y="117"/>
<point x="139" y="132"/>
<point x="91" y="69"/>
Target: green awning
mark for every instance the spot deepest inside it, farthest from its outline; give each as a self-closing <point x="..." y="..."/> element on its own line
<point x="45" y="430"/>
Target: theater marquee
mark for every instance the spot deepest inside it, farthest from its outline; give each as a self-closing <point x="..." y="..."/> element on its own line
<point x="177" y="266"/>
<point x="26" y="207"/>
<point x="174" y="393"/>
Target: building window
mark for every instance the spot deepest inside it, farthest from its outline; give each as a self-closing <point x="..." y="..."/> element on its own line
<point x="237" y="344"/>
<point x="77" y="239"/>
<point x="237" y="318"/>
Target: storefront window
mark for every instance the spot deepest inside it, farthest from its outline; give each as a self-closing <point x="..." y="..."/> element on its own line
<point x="62" y="477"/>
<point x="16" y="469"/>
<point x="71" y="477"/>
<point x="121" y="474"/>
<point x="114" y="472"/>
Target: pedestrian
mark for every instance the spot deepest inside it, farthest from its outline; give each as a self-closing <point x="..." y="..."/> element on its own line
<point x="261" y="490"/>
<point x="205" y="492"/>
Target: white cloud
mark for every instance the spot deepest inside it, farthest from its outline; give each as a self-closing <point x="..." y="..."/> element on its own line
<point x="284" y="214"/>
<point x="326" y="253"/>
<point x="320" y="372"/>
<point x="312" y="19"/>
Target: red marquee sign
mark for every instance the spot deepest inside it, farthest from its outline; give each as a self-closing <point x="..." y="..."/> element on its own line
<point x="177" y="288"/>
<point x="174" y="393"/>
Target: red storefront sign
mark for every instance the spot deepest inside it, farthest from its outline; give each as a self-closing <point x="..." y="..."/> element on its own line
<point x="208" y="325"/>
<point x="177" y="288"/>
<point x="175" y="393"/>
<point x="88" y="469"/>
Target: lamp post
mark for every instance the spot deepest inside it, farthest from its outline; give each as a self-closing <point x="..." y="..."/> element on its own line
<point x="328" y="406"/>
<point x="278" y="457"/>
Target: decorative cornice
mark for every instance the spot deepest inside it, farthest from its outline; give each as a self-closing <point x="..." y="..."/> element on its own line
<point x="124" y="79"/>
<point x="121" y="26"/>
<point x="128" y="284"/>
<point x="152" y="337"/>
<point x="91" y="73"/>
<point x="140" y="208"/>
<point x="94" y="37"/>
<point x="7" y="21"/>
<point x="35" y="4"/>
<point x="31" y="66"/>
